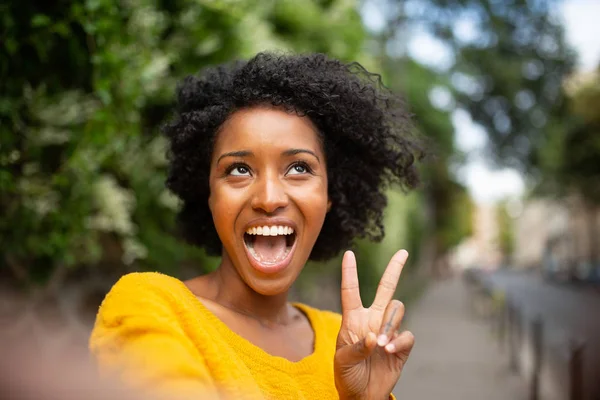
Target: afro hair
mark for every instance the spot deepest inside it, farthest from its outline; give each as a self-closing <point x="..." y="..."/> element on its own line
<point x="365" y="130"/>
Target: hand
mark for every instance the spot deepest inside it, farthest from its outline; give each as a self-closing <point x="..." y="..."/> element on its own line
<point x="370" y="353"/>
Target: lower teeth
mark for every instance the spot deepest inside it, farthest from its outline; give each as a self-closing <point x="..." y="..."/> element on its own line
<point x="259" y="258"/>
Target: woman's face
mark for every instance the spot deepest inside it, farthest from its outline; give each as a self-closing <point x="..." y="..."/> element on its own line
<point x="268" y="195"/>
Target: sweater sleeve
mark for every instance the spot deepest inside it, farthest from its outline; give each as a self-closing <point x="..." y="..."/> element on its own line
<point x="138" y="335"/>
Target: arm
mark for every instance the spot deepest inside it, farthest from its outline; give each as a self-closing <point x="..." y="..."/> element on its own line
<point x="138" y="335"/>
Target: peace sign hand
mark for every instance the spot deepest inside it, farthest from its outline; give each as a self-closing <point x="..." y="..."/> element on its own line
<point x="370" y="353"/>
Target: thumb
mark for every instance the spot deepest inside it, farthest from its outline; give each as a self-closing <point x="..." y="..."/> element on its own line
<point x="353" y="354"/>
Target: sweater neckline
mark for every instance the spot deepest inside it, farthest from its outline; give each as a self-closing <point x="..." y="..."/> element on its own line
<point x="256" y="353"/>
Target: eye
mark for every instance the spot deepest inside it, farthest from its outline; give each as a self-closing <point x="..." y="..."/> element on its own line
<point x="299" y="168"/>
<point x="238" y="170"/>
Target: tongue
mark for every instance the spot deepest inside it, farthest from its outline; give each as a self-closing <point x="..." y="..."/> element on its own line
<point x="269" y="248"/>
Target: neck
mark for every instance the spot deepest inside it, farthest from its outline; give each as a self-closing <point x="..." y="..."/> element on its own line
<point x="231" y="291"/>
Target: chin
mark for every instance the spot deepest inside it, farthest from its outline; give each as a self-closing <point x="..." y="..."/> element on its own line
<point x="270" y="288"/>
<point x="271" y="283"/>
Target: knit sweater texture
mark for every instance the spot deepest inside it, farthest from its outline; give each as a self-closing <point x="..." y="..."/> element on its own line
<point x="158" y="336"/>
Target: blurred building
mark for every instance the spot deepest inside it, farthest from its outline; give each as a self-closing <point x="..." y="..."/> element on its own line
<point x="538" y="221"/>
<point x="560" y="238"/>
<point x="482" y="249"/>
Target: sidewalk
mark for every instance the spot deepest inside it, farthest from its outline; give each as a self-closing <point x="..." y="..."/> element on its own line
<point x="455" y="356"/>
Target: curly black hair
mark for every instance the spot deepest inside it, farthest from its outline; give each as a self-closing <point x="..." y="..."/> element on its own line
<point x="365" y="130"/>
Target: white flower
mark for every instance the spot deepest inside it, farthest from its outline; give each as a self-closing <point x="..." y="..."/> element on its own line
<point x="115" y="206"/>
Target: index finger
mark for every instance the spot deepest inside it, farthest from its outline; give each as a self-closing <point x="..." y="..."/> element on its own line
<point x="389" y="280"/>
<point x="350" y="289"/>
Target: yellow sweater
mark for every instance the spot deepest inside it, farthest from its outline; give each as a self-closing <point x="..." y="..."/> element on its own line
<point x="160" y="337"/>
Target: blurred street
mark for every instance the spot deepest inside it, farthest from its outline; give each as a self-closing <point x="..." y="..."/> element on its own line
<point x="456" y="356"/>
<point x="570" y="316"/>
<point x="570" y="311"/>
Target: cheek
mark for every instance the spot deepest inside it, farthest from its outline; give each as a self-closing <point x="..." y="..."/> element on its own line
<point x="314" y="205"/>
<point x="223" y="206"/>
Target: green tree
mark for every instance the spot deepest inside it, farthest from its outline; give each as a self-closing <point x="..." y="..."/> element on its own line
<point x="571" y="162"/>
<point x="580" y="169"/>
<point x="447" y="205"/>
<point x="84" y="86"/>
<point x="507" y="63"/>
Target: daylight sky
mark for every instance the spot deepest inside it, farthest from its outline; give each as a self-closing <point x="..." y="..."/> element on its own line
<point x="488" y="185"/>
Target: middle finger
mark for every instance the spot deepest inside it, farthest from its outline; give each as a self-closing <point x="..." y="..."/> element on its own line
<point x="389" y="280"/>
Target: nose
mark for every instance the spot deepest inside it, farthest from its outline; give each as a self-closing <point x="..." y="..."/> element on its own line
<point x="269" y="195"/>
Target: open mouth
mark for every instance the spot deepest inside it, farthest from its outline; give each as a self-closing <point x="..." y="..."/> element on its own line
<point x="269" y="245"/>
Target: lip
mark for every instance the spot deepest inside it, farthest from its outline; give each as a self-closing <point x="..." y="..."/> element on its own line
<point x="271" y="269"/>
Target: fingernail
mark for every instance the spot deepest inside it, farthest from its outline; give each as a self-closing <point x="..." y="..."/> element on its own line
<point x="382" y="340"/>
<point x="390" y="347"/>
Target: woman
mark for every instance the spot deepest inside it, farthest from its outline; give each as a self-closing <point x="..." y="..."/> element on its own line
<point x="277" y="160"/>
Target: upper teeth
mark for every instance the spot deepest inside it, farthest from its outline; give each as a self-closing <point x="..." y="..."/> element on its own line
<point x="270" y="230"/>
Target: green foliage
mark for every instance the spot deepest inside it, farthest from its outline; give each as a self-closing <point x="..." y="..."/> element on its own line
<point x="506" y="65"/>
<point x="583" y="90"/>
<point x="451" y="205"/>
<point x="509" y="74"/>
<point x="417" y="82"/>
<point x="85" y="85"/>
<point x="580" y="153"/>
<point x="454" y="214"/>
<point x="403" y="222"/>
<point x="570" y="157"/>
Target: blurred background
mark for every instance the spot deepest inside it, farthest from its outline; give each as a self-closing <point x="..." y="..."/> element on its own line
<point x="503" y="283"/>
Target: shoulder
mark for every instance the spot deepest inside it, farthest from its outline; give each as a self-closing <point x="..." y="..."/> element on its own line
<point x="141" y="304"/>
<point x="146" y="281"/>
<point x="142" y="332"/>
<point x="149" y="293"/>
<point x="151" y="284"/>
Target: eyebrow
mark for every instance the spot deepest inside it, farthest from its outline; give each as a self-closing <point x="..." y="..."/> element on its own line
<point x="241" y="153"/>
<point x="247" y="153"/>
<point x="293" y="152"/>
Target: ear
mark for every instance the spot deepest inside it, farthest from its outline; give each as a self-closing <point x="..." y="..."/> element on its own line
<point x="210" y="203"/>
<point x="328" y="205"/>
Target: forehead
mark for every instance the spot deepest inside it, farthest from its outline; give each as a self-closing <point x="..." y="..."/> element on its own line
<point x="266" y="128"/>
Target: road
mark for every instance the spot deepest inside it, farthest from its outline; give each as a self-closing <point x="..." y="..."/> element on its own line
<point x="456" y="356"/>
